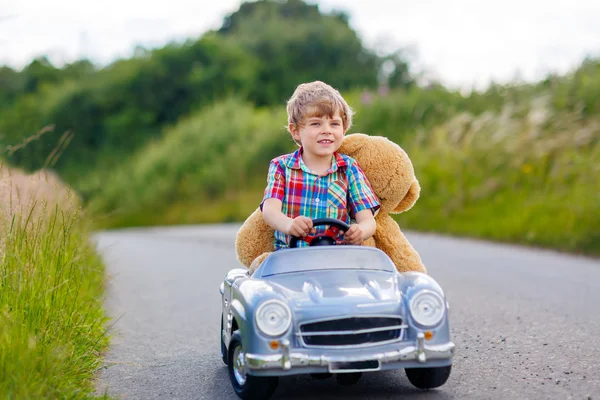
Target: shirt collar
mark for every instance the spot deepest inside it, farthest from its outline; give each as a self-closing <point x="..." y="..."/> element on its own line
<point x="295" y="162"/>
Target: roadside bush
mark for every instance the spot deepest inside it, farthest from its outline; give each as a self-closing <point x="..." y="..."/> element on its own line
<point x="51" y="290"/>
<point x="528" y="180"/>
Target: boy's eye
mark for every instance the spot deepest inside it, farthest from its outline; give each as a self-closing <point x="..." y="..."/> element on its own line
<point x="315" y="124"/>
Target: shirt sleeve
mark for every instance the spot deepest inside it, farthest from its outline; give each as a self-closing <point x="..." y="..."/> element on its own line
<point x="360" y="194"/>
<point x="275" y="182"/>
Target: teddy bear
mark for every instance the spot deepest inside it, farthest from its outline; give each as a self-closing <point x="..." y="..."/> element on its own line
<point x="392" y="178"/>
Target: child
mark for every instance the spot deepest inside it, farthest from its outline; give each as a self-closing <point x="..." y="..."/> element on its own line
<point x="316" y="181"/>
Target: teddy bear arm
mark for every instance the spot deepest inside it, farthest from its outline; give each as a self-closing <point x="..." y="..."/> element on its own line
<point x="391" y="240"/>
<point x="253" y="239"/>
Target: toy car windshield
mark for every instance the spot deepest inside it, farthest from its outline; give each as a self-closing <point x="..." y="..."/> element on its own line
<point x="325" y="258"/>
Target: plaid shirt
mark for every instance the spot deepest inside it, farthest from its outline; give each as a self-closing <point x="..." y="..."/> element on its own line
<point x="341" y="193"/>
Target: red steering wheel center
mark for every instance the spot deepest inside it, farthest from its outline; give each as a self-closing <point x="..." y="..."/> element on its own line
<point x="332" y="236"/>
<point x="333" y="232"/>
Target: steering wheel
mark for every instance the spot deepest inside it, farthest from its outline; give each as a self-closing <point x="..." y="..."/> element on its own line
<point x="328" y="238"/>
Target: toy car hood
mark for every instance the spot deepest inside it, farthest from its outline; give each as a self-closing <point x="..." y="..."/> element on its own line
<point x="330" y="275"/>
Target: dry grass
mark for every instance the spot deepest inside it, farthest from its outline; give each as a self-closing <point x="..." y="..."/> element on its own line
<point x="52" y="319"/>
<point x="21" y="192"/>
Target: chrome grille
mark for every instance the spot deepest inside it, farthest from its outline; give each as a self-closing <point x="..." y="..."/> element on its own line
<point x="354" y="331"/>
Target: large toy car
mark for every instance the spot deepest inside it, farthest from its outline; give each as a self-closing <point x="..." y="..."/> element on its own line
<point x="324" y="310"/>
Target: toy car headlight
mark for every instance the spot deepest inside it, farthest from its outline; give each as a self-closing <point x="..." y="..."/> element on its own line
<point x="273" y="317"/>
<point x="427" y="308"/>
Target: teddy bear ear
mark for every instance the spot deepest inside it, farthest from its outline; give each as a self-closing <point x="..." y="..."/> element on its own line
<point x="352" y="143"/>
<point x="410" y="199"/>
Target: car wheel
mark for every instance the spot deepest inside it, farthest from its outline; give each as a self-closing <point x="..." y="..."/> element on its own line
<point x="348" y="379"/>
<point x="428" y="378"/>
<point x="246" y="386"/>
<point x="223" y="348"/>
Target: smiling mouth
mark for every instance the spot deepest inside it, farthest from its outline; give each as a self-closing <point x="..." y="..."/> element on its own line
<point x="325" y="141"/>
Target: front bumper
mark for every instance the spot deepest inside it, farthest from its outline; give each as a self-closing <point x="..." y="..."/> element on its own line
<point x="413" y="355"/>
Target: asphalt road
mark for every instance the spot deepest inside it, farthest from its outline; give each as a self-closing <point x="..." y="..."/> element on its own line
<point x="526" y="322"/>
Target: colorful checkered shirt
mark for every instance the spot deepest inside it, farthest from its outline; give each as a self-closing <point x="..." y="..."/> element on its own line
<point x="341" y="193"/>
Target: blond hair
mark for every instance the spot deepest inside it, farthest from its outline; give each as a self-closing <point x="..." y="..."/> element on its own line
<point x="317" y="99"/>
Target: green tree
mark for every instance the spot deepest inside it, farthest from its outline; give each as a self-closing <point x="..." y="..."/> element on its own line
<point x="298" y="43"/>
<point x="11" y="86"/>
<point x="112" y="111"/>
<point x="39" y="72"/>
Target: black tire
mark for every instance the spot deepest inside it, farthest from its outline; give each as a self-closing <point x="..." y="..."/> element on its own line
<point x="348" y="379"/>
<point x="223" y="348"/>
<point x="428" y="378"/>
<point x="254" y="387"/>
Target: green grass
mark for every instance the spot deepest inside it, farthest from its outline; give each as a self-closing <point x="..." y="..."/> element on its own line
<point x="523" y="172"/>
<point x="52" y="323"/>
<point x="511" y="178"/>
<point x="206" y="159"/>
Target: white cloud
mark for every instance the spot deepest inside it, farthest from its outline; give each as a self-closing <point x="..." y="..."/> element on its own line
<point x="465" y="42"/>
<point x="469" y="42"/>
<point x="69" y="29"/>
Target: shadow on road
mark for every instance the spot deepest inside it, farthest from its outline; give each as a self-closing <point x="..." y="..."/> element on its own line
<point x="374" y="385"/>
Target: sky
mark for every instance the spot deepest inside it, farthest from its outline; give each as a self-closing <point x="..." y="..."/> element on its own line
<point x="463" y="43"/>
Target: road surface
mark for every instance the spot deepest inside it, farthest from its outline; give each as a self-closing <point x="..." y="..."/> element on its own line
<point x="526" y="323"/>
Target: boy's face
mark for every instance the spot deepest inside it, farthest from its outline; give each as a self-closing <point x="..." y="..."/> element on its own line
<point x="320" y="136"/>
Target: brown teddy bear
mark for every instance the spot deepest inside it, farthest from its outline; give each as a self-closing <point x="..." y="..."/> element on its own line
<point x="393" y="180"/>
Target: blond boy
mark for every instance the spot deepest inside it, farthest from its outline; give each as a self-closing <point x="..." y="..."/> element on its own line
<point x="316" y="181"/>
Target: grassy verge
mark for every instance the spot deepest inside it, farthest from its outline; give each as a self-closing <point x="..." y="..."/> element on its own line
<point x="528" y="179"/>
<point x="51" y="316"/>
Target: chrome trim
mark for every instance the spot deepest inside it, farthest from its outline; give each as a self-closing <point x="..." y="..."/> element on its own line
<point x="301" y="334"/>
<point x="421" y="347"/>
<point x="330" y="333"/>
<point x="239" y="366"/>
<point x="312" y="321"/>
<point x="353" y="346"/>
<point x="299" y="359"/>
<point x="286" y="364"/>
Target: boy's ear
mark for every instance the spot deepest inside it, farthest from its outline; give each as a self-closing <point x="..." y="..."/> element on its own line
<point x="294" y="131"/>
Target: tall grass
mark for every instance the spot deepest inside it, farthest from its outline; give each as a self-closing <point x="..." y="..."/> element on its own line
<point x="527" y="175"/>
<point x="51" y="315"/>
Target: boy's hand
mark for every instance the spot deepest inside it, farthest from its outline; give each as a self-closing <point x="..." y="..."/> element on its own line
<point x="354" y="235"/>
<point x="300" y="227"/>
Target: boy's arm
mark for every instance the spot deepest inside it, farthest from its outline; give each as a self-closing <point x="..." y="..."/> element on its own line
<point x="363" y="229"/>
<point x="299" y="226"/>
<point x="366" y="221"/>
